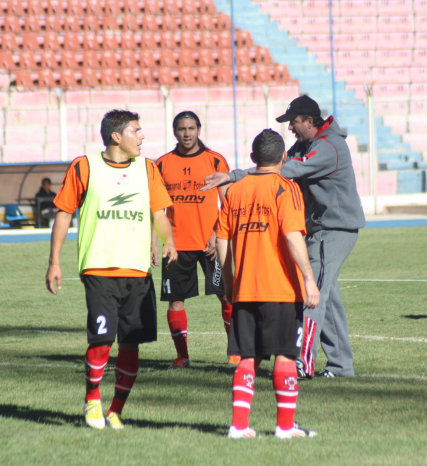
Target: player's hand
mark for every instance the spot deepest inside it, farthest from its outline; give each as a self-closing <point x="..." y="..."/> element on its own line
<point x="54" y="274"/>
<point x="312" y="294"/>
<point x="214" y="180"/>
<point x="210" y="250"/>
<point x="169" y="250"/>
<point x="154" y="255"/>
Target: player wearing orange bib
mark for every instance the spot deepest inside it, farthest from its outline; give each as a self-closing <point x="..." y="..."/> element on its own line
<point x="263" y="218"/>
<point x="193" y="216"/>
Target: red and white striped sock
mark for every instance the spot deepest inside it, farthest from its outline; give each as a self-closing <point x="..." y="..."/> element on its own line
<point x="177" y="321"/>
<point x="126" y="371"/>
<point x="306" y="355"/>
<point x="243" y="392"/>
<point x="285" y="384"/>
<point x="95" y="362"/>
<point x="227" y="310"/>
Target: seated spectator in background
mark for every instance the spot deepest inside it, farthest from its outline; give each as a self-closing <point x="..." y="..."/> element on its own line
<point x="46" y="209"/>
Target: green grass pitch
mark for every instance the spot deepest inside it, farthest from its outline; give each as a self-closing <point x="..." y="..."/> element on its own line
<point x="377" y="417"/>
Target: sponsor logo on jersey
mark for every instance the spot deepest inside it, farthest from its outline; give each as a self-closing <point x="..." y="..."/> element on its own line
<point x="116" y="214"/>
<point x="188" y="198"/>
<point x="254" y="227"/>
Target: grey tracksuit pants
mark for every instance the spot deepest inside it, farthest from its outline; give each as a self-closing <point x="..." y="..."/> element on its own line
<point x="327" y="323"/>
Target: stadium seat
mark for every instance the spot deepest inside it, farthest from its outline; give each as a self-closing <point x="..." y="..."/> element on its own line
<point x="16" y="8"/>
<point x="225" y="57"/>
<point x="187" y="75"/>
<point x="186" y="57"/>
<point x="263" y="73"/>
<point x="50" y="41"/>
<point x="130" y="23"/>
<point x="90" y="41"/>
<point x="148" y="40"/>
<point x="204" y="75"/>
<point x="224" y="39"/>
<point x="27" y="60"/>
<point x="243" y="38"/>
<point x="68" y="60"/>
<point x="224" y="75"/>
<point x="49" y="60"/>
<point x="149" y="23"/>
<point x="14" y="215"/>
<point x="146" y="77"/>
<point x="12" y="23"/>
<point x="67" y="78"/>
<point x="128" y="40"/>
<point x="205" y="57"/>
<point x="281" y="73"/>
<point x="206" y="22"/>
<point x="46" y="78"/>
<point x="75" y="7"/>
<point x="171" y="7"/>
<point x="29" y="41"/>
<point x="90" y="22"/>
<point x="188" y="22"/>
<point x="207" y="6"/>
<point x="90" y="59"/>
<point x="134" y="7"/>
<point x="6" y="60"/>
<point x="128" y="59"/>
<point x="109" y="77"/>
<point x="152" y="7"/>
<point x="244" y="74"/>
<point x="165" y="76"/>
<point x="24" y="79"/>
<point x="127" y="77"/>
<point x="223" y="22"/>
<point x="262" y="55"/>
<point x="168" y="40"/>
<point x="109" y="40"/>
<point x="53" y="23"/>
<point x="94" y="7"/>
<point x="167" y="58"/>
<point x="72" y="41"/>
<point x="109" y="59"/>
<point x="189" y="7"/>
<point x="110" y="22"/>
<point x="89" y="78"/>
<point x="112" y="7"/>
<point x="35" y="7"/>
<point x="146" y="58"/>
<point x="169" y="23"/>
<point x="208" y="39"/>
<point x="242" y="56"/>
<point x="187" y="40"/>
<point x="55" y="7"/>
<point x="8" y="42"/>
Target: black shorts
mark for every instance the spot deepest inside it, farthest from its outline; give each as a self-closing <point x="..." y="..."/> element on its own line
<point x="265" y="329"/>
<point x="180" y="281"/>
<point x="125" y="307"/>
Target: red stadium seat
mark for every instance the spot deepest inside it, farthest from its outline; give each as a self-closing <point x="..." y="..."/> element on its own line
<point x="188" y="22"/>
<point x="68" y="60"/>
<point x="167" y="40"/>
<point x="243" y="38"/>
<point x="225" y="57"/>
<point x="90" y="59"/>
<point x="224" y="39"/>
<point x="171" y="7"/>
<point x="224" y="75"/>
<point x="152" y="7"/>
<point x="207" y="6"/>
<point x="6" y="60"/>
<point x="262" y="55"/>
<point x="90" y="41"/>
<point x="281" y="73"/>
<point x="94" y="7"/>
<point x="75" y="7"/>
<point x="109" y="22"/>
<point x="149" y="23"/>
<point x="72" y="24"/>
<point x="32" y="24"/>
<point x="205" y="58"/>
<point x="186" y="57"/>
<point x="112" y="7"/>
<point x="24" y="79"/>
<point x="169" y="23"/>
<point x="206" y="22"/>
<point x="127" y="77"/>
<point x="16" y="8"/>
<point x="128" y="59"/>
<point x="67" y="78"/>
<point x="133" y="6"/>
<point x="35" y="7"/>
<point x="49" y="60"/>
<point x="46" y="78"/>
<point x="55" y="7"/>
<point x="50" y="41"/>
<point x="8" y="41"/>
<point x="244" y="74"/>
<point x="146" y="59"/>
<point x="190" y="6"/>
<point x="242" y="56"/>
<point x="109" y="59"/>
<point x="187" y="40"/>
<point x="89" y="78"/>
<point x="208" y="39"/>
<point x="148" y="40"/>
<point x="263" y="73"/>
<point x="205" y="75"/>
<point x="145" y="77"/>
<point x="109" y="40"/>
<point x="165" y="76"/>
<point x="73" y="41"/>
<point x="223" y="22"/>
<point x="128" y="40"/>
<point x="109" y="77"/>
<point x="27" y="60"/>
<point x="90" y="22"/>
<point x="13" y="24"/>
<point x="53" y="23"/>
<point x="167" y="58"/>
<point x="130" y="22"/>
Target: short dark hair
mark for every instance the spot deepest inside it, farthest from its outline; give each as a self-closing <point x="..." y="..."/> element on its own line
<point x="46" y="180"/>
<point x="115" y="121"/>
<point x="185" y="114"/>
<point x="318" y="121"/>
<point x="268" y="148"/>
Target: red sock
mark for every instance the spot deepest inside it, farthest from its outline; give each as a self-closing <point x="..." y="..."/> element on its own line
<point x="285" y="384"/>
<point x="126" y="370"/>
<point x="226" y="310"/>
<point x="306" y="354"/>
<point x="243" y="392"/>
<point x="177" y="321"/>
<point x="95" y="362"/>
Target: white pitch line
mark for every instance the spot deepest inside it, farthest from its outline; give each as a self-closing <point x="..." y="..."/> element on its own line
<point x="381" y="338"/>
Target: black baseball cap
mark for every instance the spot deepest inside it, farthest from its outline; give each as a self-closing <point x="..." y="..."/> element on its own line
<point x="303" y="105"/>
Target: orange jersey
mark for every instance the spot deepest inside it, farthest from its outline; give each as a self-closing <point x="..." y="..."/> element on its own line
<point x="194" y="213"/>
<point x="257" y="213"/>
<point x="73" y="192"/>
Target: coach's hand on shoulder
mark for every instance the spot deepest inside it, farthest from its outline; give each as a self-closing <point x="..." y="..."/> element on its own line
<point x="54" y="273"/>
<point x="214" y="180"/>
<point x="312" y="294"/>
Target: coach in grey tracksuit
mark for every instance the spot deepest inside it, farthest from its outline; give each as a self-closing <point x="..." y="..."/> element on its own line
<point x="320" y="162"/>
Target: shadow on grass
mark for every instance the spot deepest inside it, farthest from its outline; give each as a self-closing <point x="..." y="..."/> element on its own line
<point x="25" y="330"/>
<point x="56" y="418"/>
<point x="415" y="316"/>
